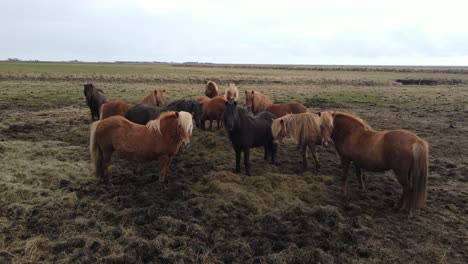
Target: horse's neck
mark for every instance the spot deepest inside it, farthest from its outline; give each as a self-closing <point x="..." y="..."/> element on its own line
<point x="347" y="126"/>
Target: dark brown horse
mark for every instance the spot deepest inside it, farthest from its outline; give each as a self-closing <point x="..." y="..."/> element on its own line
<point x="159" y="140"/>
<point x="213" y="109"/>
<point x="257" y="102"/>
<point x="211" y="89"/>
<point x="94" y="99"/>
<point x="116" y="107"/>
<point x="398" y="150"/>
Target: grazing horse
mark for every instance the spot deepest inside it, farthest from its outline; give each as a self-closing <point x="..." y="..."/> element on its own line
<point x="247" y="132"/>
<point x="211" y="89"/>
<point x="142" y="113"/>
<point x="116" y="107"/>
<point x="257" y="102"/>
<point x="304" y="129"/>
<point x="158" y="140"/>
<point x="213" y="109"/>
<point x="401" y="151"/>
<point x="232" y="93"/>
<point x="94" y="99"/>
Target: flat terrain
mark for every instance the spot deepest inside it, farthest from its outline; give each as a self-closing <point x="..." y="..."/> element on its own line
<point x="52" y="209"/>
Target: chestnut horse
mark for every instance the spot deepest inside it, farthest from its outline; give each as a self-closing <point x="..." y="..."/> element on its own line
<point x="257" y="102"/>
<point x="94" y="99"/>
<point x="211" y="89"/>
<point x="304" y="129"/>
<point x="232" y="93"/>
<point x="116" y="107"/>
<point x="213" y="109"/>
<point x="159" y="140"/>
<point x="401" y="151"/>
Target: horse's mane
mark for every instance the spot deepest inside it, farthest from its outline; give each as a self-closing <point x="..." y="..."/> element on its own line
<point x="211" y="84"/>
<point x="261" y="102"/>
<point x="185" y="121"/>
<point x="232" y="88"/>
<point x="149" y="98"/>
<point x="353" y="117"/>
<point x="298" y="126"/>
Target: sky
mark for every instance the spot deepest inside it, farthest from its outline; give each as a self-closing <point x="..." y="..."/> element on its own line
<point x="398" y="32"/>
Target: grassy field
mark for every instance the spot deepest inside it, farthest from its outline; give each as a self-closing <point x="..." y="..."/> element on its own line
<point x="52" y="209"/>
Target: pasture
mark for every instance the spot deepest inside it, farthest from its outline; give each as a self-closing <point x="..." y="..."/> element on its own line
<point x="52" y="209"/>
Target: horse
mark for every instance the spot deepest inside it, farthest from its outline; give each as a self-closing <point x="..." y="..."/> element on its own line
<point x="116" y="107"/>
<point x="95" y="97"/>
<point x="232" y="93"/>
<point x="159" y="140"/>
<point x="247" y="132"/>
<point x="257" y="102"/>
<point x="213" y="109"/>
<point x="401" y="151"/>
<point x="211" y="89"/>
<point x="304" y="129"/>
<point x="142" y="113"/>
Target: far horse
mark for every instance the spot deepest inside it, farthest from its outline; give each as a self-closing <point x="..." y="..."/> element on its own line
<point x="95" y="97"/>
<point x="211" y="89"/>
<point x="257" y="102"/>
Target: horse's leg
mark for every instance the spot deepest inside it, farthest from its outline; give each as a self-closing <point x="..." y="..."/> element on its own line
<point x="313" y="149"/>
<point x="106" y="156"/>
<point x="267" y="151"/>
<point x="345" y="163"/>
<point x="359" y="177"/>
<point x="211" y="124"/>
<point x="167" y="169"/>
<point x="247" y="161"/>
<point x="403" y="178"/>
<point x="238" y="157"/>
<point x="304" y="156"/>
<point x="163" y="161"/>
<point x="273" y="150"/>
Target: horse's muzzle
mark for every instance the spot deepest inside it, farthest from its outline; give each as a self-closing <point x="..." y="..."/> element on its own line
<point x="326" y="142"/>
<point x="185" y="146"/>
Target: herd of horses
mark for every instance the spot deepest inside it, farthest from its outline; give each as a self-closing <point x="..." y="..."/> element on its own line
<point x="151" y="130"/>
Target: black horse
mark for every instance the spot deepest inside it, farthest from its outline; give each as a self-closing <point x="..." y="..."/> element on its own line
<point x="142" y="113"/>
<point x="94" y="99"/>
<point x="247" y="132"/>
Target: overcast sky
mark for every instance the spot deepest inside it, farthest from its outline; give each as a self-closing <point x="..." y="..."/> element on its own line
<point x="237" y="31"/>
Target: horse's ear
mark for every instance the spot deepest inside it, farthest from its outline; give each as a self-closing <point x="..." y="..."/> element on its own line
<point x="281" y="121"/>
<point x="319" y="113"/>
<point x="253" y="91"/>
<point x="155" y="91"/>
<point x="164" y="90"/>
<point x="206" y="81"/>
<point x="245" y="91"/>
<point x="235" y="103"/>
<point x="177" y="114"/>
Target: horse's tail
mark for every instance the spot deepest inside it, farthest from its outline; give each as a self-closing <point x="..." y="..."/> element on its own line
<point x="96" y="154"/>
<point x="419" y="174"/>
<point x="101" y="111"/>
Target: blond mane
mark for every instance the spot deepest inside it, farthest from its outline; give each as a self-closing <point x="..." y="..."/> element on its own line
<point x="260" y="101"/>
<point x="184" y="120"/>
<point x="354" y="117"/>
<point x="231" y="89"/>
<point x="299" y="127"/>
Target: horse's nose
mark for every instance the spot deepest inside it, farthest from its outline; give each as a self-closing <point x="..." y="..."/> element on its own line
<point x="185" y="145"/>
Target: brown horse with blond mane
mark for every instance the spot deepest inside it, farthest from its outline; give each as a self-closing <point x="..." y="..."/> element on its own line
<point x="116" y="107"/>
<point x="257" y="102"/>
<point x="159" y="140"/>
<point x="304" y="130"/>
<point x="401" y="151"/>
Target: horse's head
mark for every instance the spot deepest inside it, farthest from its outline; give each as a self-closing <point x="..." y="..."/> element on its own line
<point x="230" y="115"/>
<point x="326" y="127"/>
<point x="184" y="127"/>
<point x="159" y="95"/>
<point x="249" y="99"/>
<point x="278" y="129"/>
<point x="197" y="113"/>
<point x="232" y="93"/>
<point x="88" y="90"/>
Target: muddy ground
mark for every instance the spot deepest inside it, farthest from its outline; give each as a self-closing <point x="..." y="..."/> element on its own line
<point x="52" y="209"/>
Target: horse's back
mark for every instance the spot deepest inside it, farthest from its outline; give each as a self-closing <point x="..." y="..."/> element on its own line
<point x="114" y="108"/>
<point x="142" y="113"/>
<point x="280" y="110"/>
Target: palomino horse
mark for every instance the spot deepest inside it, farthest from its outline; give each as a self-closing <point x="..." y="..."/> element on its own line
<point x="232" y="93"/>
<point x="247" y="132"/>
<point x="94" y="99"/>
<point x="142" y="113"/>
<point x="213" y="109"/>
<point x="211" y="89"/>
<point x="398" y="150"/>
<point x="116" y="107"/>
<point x="257" y="102"/>
<point x="304" y="129"/>
<point x="158" y="140"/>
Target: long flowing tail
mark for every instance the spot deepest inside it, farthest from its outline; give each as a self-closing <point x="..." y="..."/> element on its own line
<point x="96" y="154"/>
<point x="419" y="174"/>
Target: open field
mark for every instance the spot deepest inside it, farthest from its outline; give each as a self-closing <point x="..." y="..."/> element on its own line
<point x="52" y="210"/>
